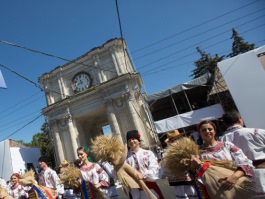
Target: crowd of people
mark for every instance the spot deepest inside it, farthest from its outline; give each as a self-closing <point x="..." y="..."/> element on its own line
<point x="244" y="147"/>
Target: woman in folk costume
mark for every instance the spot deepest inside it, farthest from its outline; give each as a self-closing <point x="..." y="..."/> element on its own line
<point x="3" y="190"/>
<point x="211" y="149"/>
<point x="109" y="168"/>
<point x="183" y="184"/>
<point x="36" y="191"/>
<point x="210" y="175"/>
<point x="92" y="175"/>
<point x="16" y="190"/>
<point x="73" y="178"/>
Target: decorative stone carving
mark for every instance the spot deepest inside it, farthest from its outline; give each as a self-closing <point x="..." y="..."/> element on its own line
<point x="137" y="96"/>
<point x="119" y="103"/>
<point x="96" y="57"/>
<point x="65" y="120"/>
<point x="59" y="74"/>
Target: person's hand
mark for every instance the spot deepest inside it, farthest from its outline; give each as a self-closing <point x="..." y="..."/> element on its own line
<point x="195" y="163"/>
<point x="79" y="181"/>
<point x="138" y="175"/>
<point x="228" y="182"/>
<point x="97" y="186"/>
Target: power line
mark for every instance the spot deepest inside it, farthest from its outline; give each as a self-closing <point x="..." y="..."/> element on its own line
<point x="23" y="77"/>
<point x="32" y="82"/>
<point x="153" y="72"/>
<point x="22" y="127"/>
<point x="30" y="122"/>
<point x="193" y="27"/>
<point x="87" y="65"/>
<point x="22" y="107"/>
<point x="139" y="115"/>
<point x="193" y="45"/>
<point x="50" y="55"/>
<point x="73" y="61"/>
<point x="119" y="20"/>
<point x="198" y="34"/>
<point x="17" y="121"/>
<point x="13" y="106"/>
<point x="150" y="72"/>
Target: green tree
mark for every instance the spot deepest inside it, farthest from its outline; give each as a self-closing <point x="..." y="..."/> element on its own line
<point x="238" y="45"/>
<point x="43" y="141"/>
<point x="205" y="64"/>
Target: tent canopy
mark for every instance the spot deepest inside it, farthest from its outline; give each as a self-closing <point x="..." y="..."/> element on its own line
<point x="201" y="81"/>
<point x="174" y="108"/>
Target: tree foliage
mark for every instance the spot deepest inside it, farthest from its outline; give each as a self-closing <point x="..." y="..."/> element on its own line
<point x="238" y="45"/>
<point x="44" y="142"/>
<point x="205" y="64"/>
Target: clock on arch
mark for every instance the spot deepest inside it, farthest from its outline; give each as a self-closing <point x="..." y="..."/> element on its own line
<point x="81" y="81"/>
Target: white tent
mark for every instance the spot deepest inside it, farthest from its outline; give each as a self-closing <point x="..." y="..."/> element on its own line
<point x="16" y="159"/>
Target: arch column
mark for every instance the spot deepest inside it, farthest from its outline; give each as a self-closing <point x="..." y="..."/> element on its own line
<point x="113" y="120"/>
<point x="73" y="136"/>
<point x="137" y="120"/>
<point x="58" y="142"/>
<point x="100" y="72"/>
<point x="49" y="99"/>
<point x="116" y="61"/>
<point x="135" y="117"/>
<point x="61" y="85"/>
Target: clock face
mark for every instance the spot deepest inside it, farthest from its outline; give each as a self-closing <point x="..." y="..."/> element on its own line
<point x="81" y="82"/>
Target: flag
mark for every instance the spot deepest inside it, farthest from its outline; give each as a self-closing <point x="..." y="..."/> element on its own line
<point x="2" y="81"/>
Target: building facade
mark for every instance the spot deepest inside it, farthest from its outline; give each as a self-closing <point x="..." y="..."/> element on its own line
<point x="100" y="88"/>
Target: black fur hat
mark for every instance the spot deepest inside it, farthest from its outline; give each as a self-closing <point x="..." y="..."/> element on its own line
<point x="133" y="134"/>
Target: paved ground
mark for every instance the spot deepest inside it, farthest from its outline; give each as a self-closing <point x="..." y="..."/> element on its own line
<point x="167" y="191"/>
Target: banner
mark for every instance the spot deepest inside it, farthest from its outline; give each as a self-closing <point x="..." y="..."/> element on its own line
<point x="189" y="118"/>
<point x="2" y="81"/>
<point x="244" y="75"/>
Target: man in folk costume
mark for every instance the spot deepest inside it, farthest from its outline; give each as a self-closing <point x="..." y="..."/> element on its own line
<point x="48" y="177"/>
<point x="145" y="164"/>
<point x="183" y="184"/>
<point x="252" y="142"/>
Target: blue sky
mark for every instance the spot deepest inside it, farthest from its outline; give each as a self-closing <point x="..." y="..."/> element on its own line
<point x="161" y="36"/>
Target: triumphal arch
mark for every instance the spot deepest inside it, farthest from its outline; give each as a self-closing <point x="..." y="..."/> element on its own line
<point x="100" y="88"/>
